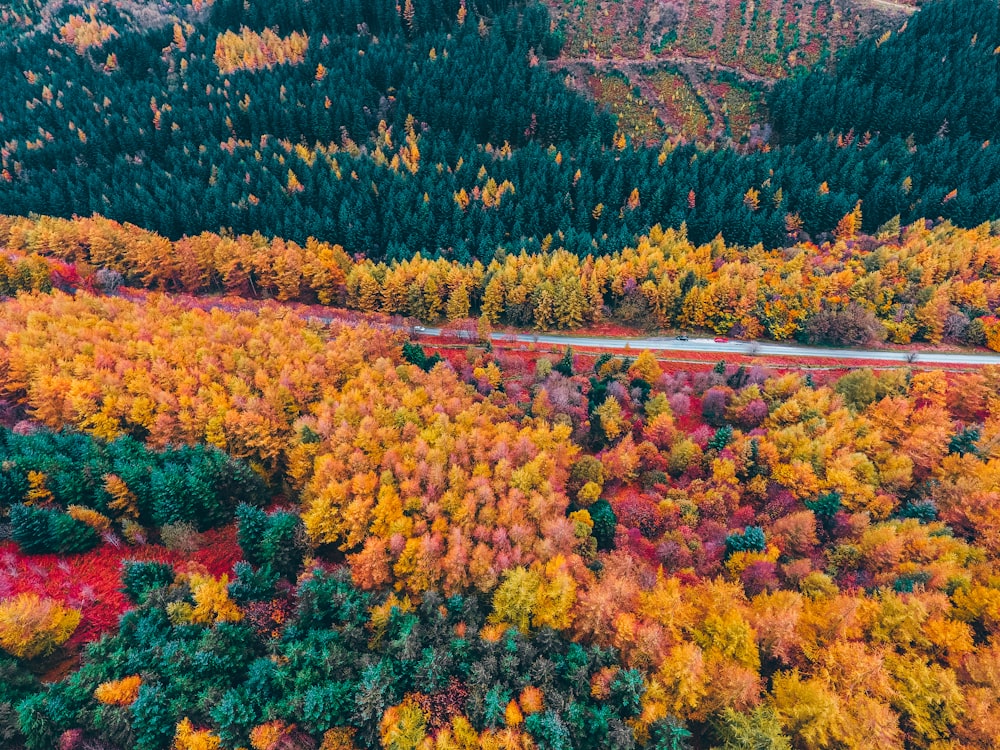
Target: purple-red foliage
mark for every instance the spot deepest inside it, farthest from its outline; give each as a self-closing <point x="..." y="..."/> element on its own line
<point x="713" y="538"/>
<point x="780" y="502"/>
<point x="637" y="545"/>
<point x="760" y="576"/>
<point x="713" y="405"/>
<point x="742" y="517"/>
<point x="680" y="404"/>
<point x="701" y="435"/>
<point x="635" y="511"/>
<point x="751" y="415"/>
<point x="674" y="553"/>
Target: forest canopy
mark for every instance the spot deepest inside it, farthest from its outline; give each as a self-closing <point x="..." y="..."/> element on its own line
<point x="916" y="283"/>
<point x="241" y="509"/>
<point x="454" y="138"/>
<point x="498" y="553"/>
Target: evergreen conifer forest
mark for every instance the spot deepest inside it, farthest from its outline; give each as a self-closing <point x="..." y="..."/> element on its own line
<point x="282" y="466"/>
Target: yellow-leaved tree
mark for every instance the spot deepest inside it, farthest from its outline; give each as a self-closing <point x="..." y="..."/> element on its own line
<point x="540" y="597"/>
<point x="403" y="727"/>
<point x="189" y="738"/>
<point x="31" y="626"/>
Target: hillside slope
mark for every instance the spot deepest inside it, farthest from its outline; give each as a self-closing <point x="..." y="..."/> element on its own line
<point x="442" y="131"/>
<point x="698" y="68"/>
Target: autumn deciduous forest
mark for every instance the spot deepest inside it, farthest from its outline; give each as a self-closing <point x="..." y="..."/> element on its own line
<point x="919" y="283"/>
<point x="243" y="506"/>
<point x="496" y="552"/>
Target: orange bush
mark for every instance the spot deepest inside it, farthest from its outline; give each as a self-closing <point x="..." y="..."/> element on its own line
<point x="119" y="692"/>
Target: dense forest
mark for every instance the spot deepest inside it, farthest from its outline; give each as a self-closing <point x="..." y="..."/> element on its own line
<point x="241" y="509"/>
<point x="437" y="128"/>
<point x="917" y="283"/>
<point x="936" y="77"/>
<point x="485" y="550"/>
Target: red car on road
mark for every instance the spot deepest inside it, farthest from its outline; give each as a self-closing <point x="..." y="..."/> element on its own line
<point x="721" y="340"/>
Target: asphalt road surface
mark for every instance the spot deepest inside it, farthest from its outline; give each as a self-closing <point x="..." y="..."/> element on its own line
<point x="752" y="348"/>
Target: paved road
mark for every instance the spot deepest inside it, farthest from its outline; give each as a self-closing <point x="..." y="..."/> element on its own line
<point x="760" y="349"/>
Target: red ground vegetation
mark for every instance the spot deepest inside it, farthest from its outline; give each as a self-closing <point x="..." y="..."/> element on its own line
<point x="91" y="582"/>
